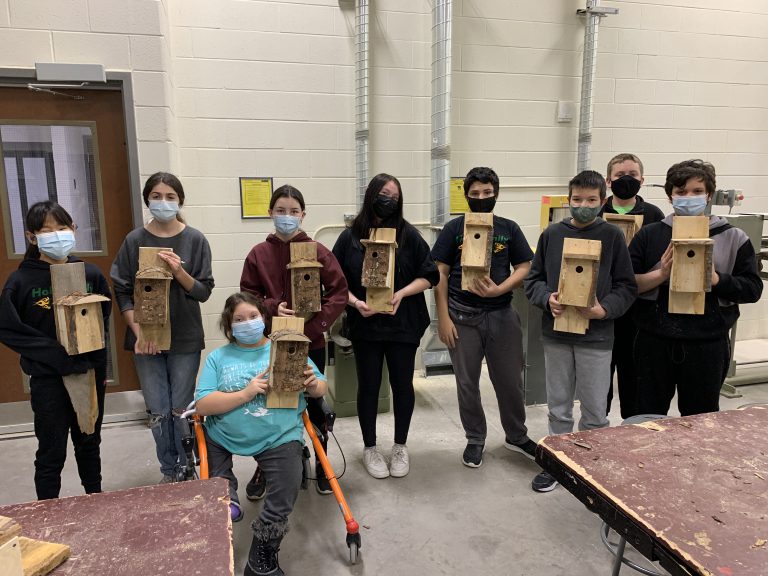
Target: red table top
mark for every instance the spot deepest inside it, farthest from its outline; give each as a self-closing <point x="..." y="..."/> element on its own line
<point x="181" y="528"/>
<point x="698" y="485"/>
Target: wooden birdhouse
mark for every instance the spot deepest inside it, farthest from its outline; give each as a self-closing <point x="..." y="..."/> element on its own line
<point x="81" y="321"/>
<point x="379" y="268"/>
<point x="151" y="291"/>
<point x="577" y="284"/>
<point x="477" y="247"/>
<point x="629" y="224"/>
<point x="287" y="361"/>
<point x="79" y="328"/>
<point x="691" y="275"/>
<point x="305" y="279"/>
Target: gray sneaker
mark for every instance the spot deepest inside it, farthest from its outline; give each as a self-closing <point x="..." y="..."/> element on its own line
<point x="166" y="479"/>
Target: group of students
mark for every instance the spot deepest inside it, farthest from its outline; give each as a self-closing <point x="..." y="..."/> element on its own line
<point x="654" y="352"/>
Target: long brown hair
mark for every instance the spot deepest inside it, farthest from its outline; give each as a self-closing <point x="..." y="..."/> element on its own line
<point x="169" y="180"/>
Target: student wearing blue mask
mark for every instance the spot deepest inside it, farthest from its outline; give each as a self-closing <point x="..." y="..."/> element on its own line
<point x="167" y="377"/>
<point x="688" y="352"/>
<point x="27" y="326"/>
<point x="232" y="395"/>
<point x="266" y="275"/>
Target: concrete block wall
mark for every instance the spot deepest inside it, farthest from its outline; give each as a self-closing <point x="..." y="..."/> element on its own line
<point x="266" y="88"/>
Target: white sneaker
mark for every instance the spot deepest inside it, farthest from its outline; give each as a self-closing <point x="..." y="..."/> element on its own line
<point x="375" y="463"/>
<point x="398" y="465"/>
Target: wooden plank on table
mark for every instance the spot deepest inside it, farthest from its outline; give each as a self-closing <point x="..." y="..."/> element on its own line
<point x="38" y="557"/>
<point x="10" y="558"/>
<point x="9" y="528"/>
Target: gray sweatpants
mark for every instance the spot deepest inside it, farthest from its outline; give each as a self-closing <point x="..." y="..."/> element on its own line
<point x="496" y="336"/>
<point x="576" y="371"/>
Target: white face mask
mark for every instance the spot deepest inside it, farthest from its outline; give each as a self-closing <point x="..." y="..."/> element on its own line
<point x="163" y="210"/>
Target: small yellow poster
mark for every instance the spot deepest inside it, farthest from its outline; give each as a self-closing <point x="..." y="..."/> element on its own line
<point x="458" y="201"/>
<point x="255" y="194"/>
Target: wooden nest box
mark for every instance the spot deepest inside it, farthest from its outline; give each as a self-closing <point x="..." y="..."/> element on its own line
<point x="379" y="268"/>
<point x="577" y="285"/>
<point x="691" y="275"/>
<point x="80" y="322"/>
<point x="477" y="248"/>
<point x="287" y="361"/>
<point x="150" y="295"/>
<point x="629" y="224"/>
<point x="305" y="279"/>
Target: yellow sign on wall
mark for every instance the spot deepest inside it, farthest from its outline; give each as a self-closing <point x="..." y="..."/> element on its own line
<point x="255" y="194"/>
<point x="458" y="201"/>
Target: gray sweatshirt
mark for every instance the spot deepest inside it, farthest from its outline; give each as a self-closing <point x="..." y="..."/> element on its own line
<point x="616" y="287"/>
<point x="186" y="322"/>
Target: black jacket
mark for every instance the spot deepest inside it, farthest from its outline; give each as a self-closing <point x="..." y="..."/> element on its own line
<point x="735" y="264"/>
<point x="412" y="260"/>
<point x="28" y="326"/>
<point x="650" y="212"/>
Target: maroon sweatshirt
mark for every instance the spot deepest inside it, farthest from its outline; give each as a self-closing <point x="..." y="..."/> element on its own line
<point x="265" y="274"/>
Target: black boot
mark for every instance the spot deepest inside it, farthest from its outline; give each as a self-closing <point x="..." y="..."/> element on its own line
<point x="262" y="557"/>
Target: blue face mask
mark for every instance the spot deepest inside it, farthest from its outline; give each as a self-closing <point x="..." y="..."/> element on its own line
<point x="163" y="211"/>
<point x="56" y="245"/>
<point x="248" y="331"/>
<point x="689" y="205"/>
<point x="286" y="225"/>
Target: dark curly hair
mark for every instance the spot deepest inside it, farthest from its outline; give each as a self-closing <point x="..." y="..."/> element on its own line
<point x="679" y="175"/>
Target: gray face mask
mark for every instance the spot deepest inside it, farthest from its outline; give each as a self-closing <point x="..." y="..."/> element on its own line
<point x="584" y="214"/>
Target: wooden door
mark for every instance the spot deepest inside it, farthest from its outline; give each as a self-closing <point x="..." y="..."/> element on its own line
<point x="72" y="151"/>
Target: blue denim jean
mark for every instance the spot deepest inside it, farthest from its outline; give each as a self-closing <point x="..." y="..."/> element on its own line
<point x="168" y="384"/>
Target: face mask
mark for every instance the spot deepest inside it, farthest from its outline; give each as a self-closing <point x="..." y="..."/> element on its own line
<point x="249" y="331"/>
<point x="56" y="245"/>
<point x="162" y="210"/>
<point x="287" y="225"/>
<point x="689" y="205"/>
<point x="384" y="206"/>
<point x="625" y="187"/>
<point x="481" y="205"/>
<point x="584" y="214"/>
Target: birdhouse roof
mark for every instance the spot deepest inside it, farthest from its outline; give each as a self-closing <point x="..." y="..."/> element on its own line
<point x="154" y="273"/>
<point x="304" y="264"/>
<point x="79" y="298"/>
<point x="386" y="243"/>
<point x="288" y="336"/>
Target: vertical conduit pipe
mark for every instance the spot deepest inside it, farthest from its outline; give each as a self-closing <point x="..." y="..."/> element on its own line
<point x="584" y="160"/>
<point x="361" y="100"/>
<point x="441" y="111"/>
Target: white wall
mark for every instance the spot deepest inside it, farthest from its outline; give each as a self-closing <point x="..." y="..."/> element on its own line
<point x="266" y="87"/>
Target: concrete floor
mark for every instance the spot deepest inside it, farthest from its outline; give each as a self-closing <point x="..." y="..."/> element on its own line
<point x="443" y="518"/>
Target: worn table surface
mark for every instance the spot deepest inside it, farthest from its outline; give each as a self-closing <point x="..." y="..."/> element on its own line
<point x="690" y="492"/>
<point x="181" y="528"/>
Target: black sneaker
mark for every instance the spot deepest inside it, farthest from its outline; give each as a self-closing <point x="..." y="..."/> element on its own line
<point x="473" y="455"/>
<point x="257" y="486"/>
<point x="527" y="448"/>
<point x="323" y="486"/>
<point x="543" y="482"/>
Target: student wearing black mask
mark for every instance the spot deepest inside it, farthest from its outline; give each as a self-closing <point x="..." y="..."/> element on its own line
<point x="624" y="179"/>
<point x="480" y="322"/>
<point x="395" y="335"/>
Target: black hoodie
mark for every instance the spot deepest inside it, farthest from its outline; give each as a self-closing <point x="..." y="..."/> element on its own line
<point x="650" y="212"/>
<point x="27" y="323"/>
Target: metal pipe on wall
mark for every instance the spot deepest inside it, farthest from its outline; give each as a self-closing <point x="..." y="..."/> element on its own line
<point x="441" y="111"/>
<point x="361" y="100"/>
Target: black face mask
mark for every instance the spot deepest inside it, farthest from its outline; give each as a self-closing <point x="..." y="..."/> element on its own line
<point x="625" y="187"/>
<point x="384" y="206"/>
<point x="482" y="205"/>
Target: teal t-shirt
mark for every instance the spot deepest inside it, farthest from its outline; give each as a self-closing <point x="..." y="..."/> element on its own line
<point x="250" y="428"/>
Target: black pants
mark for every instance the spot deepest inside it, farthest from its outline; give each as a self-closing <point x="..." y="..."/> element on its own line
<point x="623" y="364"/>
<point x="55" y="421"/>
<point x="696" y="367"/>
<point x="369" y="360"/>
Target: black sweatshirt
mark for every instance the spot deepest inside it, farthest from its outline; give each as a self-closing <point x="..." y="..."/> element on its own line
<point x="28" y="326"/>
<point x="412" y="260"/>
<point x="650" y="212"/>
<point x="616" y="288"/>
<point x="735" y="264"/>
